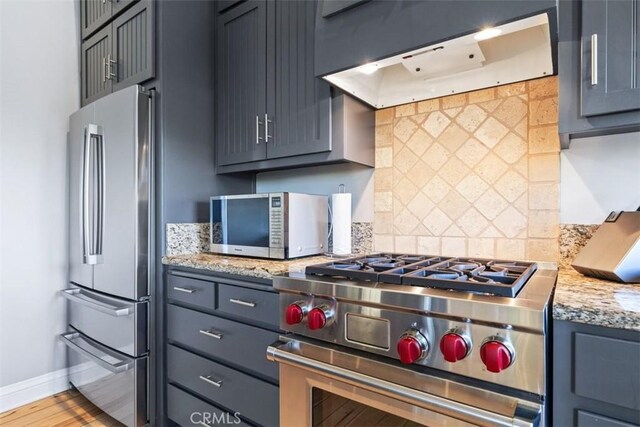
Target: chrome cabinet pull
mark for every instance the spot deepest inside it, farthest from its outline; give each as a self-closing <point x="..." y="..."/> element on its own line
<point x="594" y="59"/>
<point x="258" y="123"/>
<point x="266" y="127"/>
<point x="209" y="379"/>
<point x="111" y="63"/>
<point x="84" y="298"/>
<point x="243" y="303"/>
<point x="104" y="69"/>
<point x="185" y="290"/>
<point x="212" y="333"/>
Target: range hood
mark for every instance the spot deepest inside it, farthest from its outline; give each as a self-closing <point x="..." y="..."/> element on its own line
<point x="517" y="51"/>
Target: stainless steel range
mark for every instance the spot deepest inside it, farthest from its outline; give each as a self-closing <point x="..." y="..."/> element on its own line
<point x="427" y="339"/>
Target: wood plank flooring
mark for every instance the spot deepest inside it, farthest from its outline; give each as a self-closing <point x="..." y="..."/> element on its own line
<point x="66" y="409"/>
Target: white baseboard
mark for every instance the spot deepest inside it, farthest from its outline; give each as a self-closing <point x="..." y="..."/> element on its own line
<point x="27" y="391"/>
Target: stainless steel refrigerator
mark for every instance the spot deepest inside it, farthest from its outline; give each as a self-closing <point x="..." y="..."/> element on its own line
<point x="110" y="244"/>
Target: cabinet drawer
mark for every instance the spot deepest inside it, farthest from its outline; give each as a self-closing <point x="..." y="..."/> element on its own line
<point x="253" y="305"/>
<point x="195" y="292"/>
<point x="187" y="410"/>
<point x="254" y="399"/>
<point x="586" y="419"/>
<point x="607" y="370"/>
<point x="231" y="341"/>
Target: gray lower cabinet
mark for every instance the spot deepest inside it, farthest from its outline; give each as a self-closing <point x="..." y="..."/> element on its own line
<point x="217" y="332"/>
<point x="598" y="68"/>
<point x="271" y="110"/>
<point x="596" y="376"/>
<point x="119" y="55"/>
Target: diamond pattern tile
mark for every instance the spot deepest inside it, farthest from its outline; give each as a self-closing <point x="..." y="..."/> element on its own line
<point x="467" y="174"/>
<point x="436" y="123"/>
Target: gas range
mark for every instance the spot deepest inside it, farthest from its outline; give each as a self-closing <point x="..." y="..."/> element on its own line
<point x="479" y="319"/>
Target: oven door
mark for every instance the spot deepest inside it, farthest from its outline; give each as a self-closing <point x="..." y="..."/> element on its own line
<point x="240" y="225"/>
<point x="326" y="385"/>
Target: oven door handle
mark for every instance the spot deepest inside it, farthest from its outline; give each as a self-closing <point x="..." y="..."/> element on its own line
<point x="285" y="353"/>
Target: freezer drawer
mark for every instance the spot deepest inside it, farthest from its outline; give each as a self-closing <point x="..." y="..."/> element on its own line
<point x="116" y="323"/>
<point x="115" y="383"/>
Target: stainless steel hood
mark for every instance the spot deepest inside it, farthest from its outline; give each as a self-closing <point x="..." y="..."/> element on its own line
<point x="517" y="51"/>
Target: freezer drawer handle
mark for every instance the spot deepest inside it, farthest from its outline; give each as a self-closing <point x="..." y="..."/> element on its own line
<point x="73" y="294"/>
<point x="121" y="366"/>
<point x="209" y="379"/>
<point x="185" y="290"/>
<point x="243" y="303"/>
<point x="212" y="333"/>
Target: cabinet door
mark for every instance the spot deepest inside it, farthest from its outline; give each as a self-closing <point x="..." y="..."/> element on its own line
<point x="133" y="46"/>
<point x="119" y="5"/>
<point x="300" y="103"/>
<point x="93" y="15"/>
<point x="610" y="60"/>
<point x="241" y="57"/>
<point x="96" y="75"/>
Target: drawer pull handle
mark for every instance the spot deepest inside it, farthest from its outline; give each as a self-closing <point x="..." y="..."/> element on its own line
<point x="185" y="290"/>
<point x="211" y="333"/>
<point x="208" y="379"/>
<point x="243" y="303"/>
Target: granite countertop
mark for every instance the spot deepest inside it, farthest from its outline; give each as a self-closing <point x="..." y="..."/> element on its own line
<point x="597" y="302"/>
<point x="241" y="266"/>
<point x="577" y="298"/>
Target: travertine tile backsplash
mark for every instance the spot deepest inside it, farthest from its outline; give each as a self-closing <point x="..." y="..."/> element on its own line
<point x="473" y="174"/>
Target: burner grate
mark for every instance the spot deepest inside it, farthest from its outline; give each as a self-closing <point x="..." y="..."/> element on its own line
<point x="483" y="276"/>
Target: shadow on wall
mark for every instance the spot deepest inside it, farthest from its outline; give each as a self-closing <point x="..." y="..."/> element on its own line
<point x="358" y="181"/>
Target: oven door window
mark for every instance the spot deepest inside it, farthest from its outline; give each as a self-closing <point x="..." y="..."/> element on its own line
<point x="332" y="410"/>
<point x="240" y="222"/>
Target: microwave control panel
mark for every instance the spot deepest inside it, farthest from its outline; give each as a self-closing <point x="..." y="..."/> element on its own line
<point x="276" y="222"/>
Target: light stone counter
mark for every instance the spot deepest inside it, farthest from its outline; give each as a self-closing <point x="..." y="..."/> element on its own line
<point x="597" y="302"/>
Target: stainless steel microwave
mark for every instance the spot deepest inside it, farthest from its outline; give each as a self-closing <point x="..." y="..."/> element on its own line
<point x="269" y="225"/>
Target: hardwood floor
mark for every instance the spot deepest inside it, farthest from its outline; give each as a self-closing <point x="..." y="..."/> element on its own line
<point x="66" y="409"/>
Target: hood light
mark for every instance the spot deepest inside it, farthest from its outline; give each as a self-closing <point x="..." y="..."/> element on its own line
<point x="368" y="68"/>
<point x="487" y="33"/>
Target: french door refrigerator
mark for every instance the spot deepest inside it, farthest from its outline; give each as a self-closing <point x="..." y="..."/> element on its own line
<point x="110" y="240"/>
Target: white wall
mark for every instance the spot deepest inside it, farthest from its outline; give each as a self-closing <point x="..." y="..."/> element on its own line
<point x="38" y="90"/>
<point x="357" y="179"/>
<point x="599" y="175"/>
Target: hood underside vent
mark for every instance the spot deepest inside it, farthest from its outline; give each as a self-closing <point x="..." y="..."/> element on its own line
<point x="516" y="51"/>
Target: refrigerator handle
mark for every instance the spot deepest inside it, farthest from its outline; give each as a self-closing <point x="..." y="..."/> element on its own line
<point x="91" y="238"/>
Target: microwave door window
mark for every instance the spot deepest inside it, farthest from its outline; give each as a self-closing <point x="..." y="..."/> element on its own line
<point x="241" y="222"/>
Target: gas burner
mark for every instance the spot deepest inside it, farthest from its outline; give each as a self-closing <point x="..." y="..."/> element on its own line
<point x="479" y="276"/>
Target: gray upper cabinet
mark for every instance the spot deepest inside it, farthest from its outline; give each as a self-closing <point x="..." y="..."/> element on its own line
<point x="96" y="68"/>
<point x="271" y="110"/>
<point x="598" y="68"/>
<point x="120" y="54"/>
<point x="93" y="15"/>
<point x="241" y="83"/>
<point x="96" y="13"/>
<point x="301" y="120"/>
<point x="610" y="39"/>
<point x="132" y="49"/>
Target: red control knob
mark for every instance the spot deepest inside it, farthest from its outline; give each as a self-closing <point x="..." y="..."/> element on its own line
<point x="293" y="314"/>
<point x="412" y="346"/>
<point x="316" y="319"/>
<point x="496" y="356"/>
<point x="454" y="347"/>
